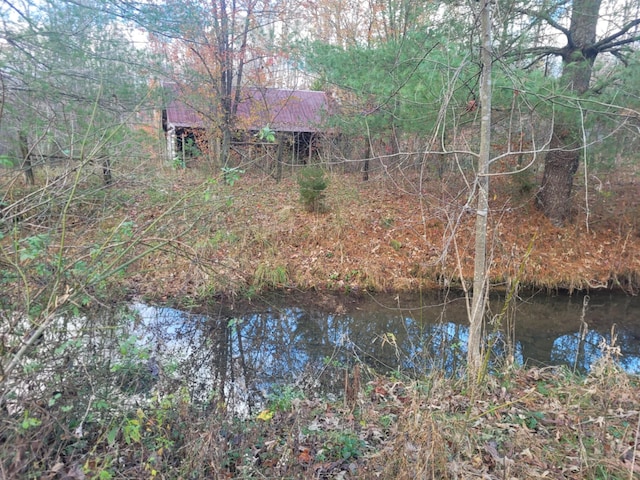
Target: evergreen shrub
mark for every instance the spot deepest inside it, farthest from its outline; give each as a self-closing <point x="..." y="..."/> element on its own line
<point x="313" y="182"/>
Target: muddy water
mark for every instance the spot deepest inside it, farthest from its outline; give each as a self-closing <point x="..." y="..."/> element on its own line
<point x="247" y="350"/>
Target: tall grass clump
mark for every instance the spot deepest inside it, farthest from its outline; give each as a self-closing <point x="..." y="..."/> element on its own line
<point x="270" y="276"/>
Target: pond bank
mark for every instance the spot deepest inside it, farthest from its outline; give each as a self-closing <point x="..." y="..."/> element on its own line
<point x="379" y="237"/>
<point x="535" y="423"/>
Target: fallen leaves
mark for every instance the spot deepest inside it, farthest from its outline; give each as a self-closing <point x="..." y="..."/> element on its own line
<point x="384" y="236"/>
<point x="435" y="427"/>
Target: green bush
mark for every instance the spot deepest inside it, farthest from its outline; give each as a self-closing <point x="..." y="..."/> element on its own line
<point x="313" y="182"/>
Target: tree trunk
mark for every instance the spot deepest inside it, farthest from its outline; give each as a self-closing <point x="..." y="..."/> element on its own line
<point x="561" y="162"/>
<point x="367" y="156"/>
<point x="480" y="274"/>
<point x="225" y="147"/>
<point x="26" y="158"/>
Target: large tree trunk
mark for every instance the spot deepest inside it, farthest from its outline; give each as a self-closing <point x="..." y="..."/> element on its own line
<point x="561" y="162"/>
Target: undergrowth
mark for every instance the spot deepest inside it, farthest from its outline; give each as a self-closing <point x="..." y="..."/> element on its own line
<point x="522" y="423"/>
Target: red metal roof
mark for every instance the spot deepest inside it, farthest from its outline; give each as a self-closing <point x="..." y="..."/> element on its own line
<point x="179" y="115"/>
<point x="282" y="110"/>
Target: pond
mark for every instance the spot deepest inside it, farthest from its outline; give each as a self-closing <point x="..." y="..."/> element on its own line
<point x="315" y="340"/>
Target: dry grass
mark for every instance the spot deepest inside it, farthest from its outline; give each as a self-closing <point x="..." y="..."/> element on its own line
<point x="522" y="424"/>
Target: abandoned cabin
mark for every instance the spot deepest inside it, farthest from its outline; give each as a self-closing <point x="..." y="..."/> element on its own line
<point x="297" y="117"/>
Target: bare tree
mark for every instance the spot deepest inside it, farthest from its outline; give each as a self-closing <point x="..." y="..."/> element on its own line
<point x="480" y="280"/>
<point x="207" y="55"/>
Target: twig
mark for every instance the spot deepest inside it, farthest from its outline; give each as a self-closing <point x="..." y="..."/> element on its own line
<point x="635" y="449"/>
<point x="584" y="329"/>
<point x="584" y="162"/>
<point x="59" y="301"/>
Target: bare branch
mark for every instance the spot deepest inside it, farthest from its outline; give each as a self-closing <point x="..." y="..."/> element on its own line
<point x="534" y="61"/>
<point x="608" y="42"/>
<point x="621" y="43"/>
<point x="547" y="18"/>
<point x="541" y="52"/>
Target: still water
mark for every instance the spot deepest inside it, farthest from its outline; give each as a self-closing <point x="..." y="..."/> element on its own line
<point x="311" y="338"/>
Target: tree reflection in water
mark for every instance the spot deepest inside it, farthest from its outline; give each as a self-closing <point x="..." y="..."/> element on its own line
<point x="235" y="357"/>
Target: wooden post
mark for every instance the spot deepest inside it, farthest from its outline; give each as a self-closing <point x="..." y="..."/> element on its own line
<point x="294" y="152"/>
<point x="279" y="159"/>
<point x="367" y="156"/>
<point x="184" y="158"/>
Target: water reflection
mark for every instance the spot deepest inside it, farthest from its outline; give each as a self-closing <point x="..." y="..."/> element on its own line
<point x="238" y="355"/>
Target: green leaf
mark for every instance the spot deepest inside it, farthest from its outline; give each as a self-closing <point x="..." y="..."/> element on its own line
<point x="234" y="322"/>
<point x="80" y="267"/>
<point x="54" y="399"/>
<point x="29" y="422"/>
<point x="105" y="475"/>
<point x="267" y="134"/>
<point x="60" y="350"/>
<point x="6" y="161"/>
<point x="231" y="175"/>
<point x="111" y="436"/>
<point x="35" y="246"/>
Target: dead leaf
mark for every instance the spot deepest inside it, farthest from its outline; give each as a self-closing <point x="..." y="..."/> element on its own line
<point x="305" y="455"/>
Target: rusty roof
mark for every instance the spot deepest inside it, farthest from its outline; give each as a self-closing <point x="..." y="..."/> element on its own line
<point x="282" y="110"/>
